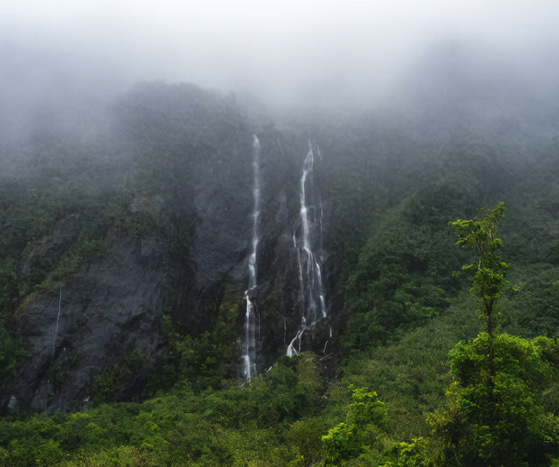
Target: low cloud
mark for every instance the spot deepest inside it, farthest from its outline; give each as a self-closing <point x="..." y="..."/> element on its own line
<point x="283" y="52"/>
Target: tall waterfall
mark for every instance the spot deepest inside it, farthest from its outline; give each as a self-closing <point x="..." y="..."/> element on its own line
<point x="251" y="322"/>
<point x="312" y="301"/>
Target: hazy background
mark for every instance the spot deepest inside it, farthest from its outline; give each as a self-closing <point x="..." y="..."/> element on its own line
<point x="284" y="52"/>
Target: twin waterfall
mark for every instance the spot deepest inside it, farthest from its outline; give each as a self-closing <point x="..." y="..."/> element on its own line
<point x="311" y="303"/>
<point x="251" y="324"/>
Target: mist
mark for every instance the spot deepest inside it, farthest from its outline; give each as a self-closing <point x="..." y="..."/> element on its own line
<point x="323" y="54"/>
<point x="166" y="166"/>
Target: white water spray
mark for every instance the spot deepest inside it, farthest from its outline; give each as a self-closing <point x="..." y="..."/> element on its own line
<point x="251" y="324"/>
<point x="327" y="340"/>
<point x="312" y="300"/>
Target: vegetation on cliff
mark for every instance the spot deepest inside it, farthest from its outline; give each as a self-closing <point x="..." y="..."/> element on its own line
<point x="409" y="378"/>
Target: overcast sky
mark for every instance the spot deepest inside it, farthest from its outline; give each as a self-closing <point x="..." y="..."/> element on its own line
<point x="282" y="49"/>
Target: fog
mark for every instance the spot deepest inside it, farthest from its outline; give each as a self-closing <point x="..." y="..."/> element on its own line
<point x="328" y="53"/>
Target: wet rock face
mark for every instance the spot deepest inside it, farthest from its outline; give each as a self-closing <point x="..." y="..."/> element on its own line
<point x="114" y="305"/>
<point x="279" y="300"/>
<point x="116" y="302"/>
<point x="204" y="181"/>
<point x="222" y="207"/>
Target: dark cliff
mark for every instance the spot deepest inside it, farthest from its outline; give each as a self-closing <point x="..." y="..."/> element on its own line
<point x="174" y="233"/>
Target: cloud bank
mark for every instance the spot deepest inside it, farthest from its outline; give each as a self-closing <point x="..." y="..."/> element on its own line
<point x="282" y="51"/>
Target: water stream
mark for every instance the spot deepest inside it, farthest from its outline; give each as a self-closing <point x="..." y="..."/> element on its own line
<point x="251" y="321"/>
<point x="312" y="300"/>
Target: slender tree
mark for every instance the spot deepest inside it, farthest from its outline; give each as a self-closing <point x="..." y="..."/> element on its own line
<point x="495" y="414"/>
<point x="479" y="234"/>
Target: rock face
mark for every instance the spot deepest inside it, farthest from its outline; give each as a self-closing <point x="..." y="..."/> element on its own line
<point x="203" y="182"/>
<point x="114" y="304"/>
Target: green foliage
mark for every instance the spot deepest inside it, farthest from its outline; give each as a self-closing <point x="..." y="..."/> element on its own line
<point x="114" y="379"/>
<point x="290" y="390"/>
<point x="408" y="454"/>
<point x="59" y="372"/>
<point x="233" y="426"/>
<point x="496" y="409"/>
<point x="342" y="442"/>
<point x="79" y="255"/>
<point x="480" y="235"/>
<point x="534" y="309"/>
<point x="403" y="276"/>
<point x="31" y="443"/>
<point x="504" y="423"/>
<point x="206" y="359"/>
<point x="402" y="310"/>
<point x="305" y="436"/>
<point x="360" y="431"/>
<point x="11" y="352"/>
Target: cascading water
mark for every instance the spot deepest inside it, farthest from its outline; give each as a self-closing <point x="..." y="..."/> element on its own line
<point x="312" y="301"/>
<point x="251" y="323"/>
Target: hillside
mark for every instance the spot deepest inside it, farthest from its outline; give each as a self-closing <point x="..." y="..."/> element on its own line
<point x="134" y="333"/>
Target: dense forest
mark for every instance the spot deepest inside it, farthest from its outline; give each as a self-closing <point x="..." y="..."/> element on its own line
<point x="126" y="236"/>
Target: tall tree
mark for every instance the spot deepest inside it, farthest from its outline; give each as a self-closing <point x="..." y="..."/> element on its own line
<point x="496" y="414"/>
<point x="480" y="235"/>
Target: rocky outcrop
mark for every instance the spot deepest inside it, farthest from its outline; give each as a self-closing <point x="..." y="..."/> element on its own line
<point x="198" y="165"/>
<point x="114" y="304"/>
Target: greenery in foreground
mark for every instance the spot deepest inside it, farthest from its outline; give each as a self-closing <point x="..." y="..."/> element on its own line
<point x="498" y="408"/>
<point x="405" y="393"/>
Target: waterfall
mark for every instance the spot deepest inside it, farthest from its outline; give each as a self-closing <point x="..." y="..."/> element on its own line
<point x="57" y="321"/>
<point x="327" y="340"/>
<point x="251" y="324"/>
<point x="312" y="300"/>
